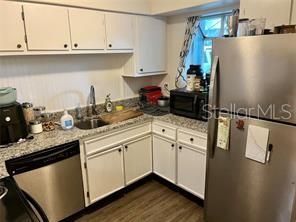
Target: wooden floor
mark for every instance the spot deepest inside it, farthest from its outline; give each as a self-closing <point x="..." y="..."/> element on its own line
<point x="151" y="202"/>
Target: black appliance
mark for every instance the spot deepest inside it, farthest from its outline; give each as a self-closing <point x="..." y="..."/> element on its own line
<point x="13" y="205"/>
<point x="12" y="124"/>
<point x="189" y="104"/>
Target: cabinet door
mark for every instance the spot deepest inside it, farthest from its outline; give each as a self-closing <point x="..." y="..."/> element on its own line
<point x="105" y="173"/>
<point x="119" y="31"/>
<point x="164" y="158"/>
<point x="87" y="29"/>
<point x="138" y="159"/>
<point x="12" y="37"/>
<point x="276" y="12"/>
<point x="47" y="27"/>
<point x="151" y="45"/>
<point x="192" y="170"/>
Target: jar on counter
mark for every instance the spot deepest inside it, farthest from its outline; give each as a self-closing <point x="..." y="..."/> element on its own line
<point x="39" y="111"/>
<point x="36" y="127"/>
<point x="28" y="112"/>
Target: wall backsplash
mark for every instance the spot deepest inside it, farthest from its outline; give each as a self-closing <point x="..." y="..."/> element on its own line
<point x="63" y="81"/>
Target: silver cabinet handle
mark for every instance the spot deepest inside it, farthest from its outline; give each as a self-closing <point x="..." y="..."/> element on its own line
<point x="4" y="192"/>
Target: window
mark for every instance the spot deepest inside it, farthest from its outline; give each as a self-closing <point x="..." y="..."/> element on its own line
<point x="201" y="50"/>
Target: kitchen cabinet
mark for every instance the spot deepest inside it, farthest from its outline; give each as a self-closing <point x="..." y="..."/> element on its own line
<point x="191" y="169"/>
<point x="276" y="12"/>
<point x="164" y="158"/>
<point x="119" y="31"/>
<point x="105" y="172"/>
<point x="47" y="27"/>
<point x="150" y="44"/>
<point x="12" y="37"/>
<point x="137" y="159"/>
<point x="150" y="48"/>
<point x="87" y="29"/>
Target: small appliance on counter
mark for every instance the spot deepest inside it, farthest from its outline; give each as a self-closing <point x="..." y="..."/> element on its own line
<point x="153" y="102"/>
<point x="189" y="104"/>
<point x="150" y="94"/>
<point x="12" y="124"/>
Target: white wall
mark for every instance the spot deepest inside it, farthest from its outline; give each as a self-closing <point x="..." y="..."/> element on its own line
<point x="131" y="6"/>
<point x="63" y="81"/>
<point x="164" y="6"/>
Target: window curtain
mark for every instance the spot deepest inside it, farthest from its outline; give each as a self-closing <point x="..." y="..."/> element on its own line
<point x="191" y="30"/>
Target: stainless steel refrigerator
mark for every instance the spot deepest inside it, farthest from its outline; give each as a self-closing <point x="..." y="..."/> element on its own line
<point x="253" y="83"/>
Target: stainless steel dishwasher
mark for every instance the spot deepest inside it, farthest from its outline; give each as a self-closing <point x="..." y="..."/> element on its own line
<point x="52" y="178"/>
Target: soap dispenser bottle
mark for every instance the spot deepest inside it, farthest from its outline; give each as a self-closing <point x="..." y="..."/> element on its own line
<point x="67" y="121"/>
<point x="108" y="104"/>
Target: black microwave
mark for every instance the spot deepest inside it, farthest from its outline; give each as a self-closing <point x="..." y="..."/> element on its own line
<point x="189" y="104"/>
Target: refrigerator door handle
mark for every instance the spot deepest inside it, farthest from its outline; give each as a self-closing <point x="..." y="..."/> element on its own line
<point x="212" y="134"/>
<point x="212" y="126"/>
<point x="213" y="83"/>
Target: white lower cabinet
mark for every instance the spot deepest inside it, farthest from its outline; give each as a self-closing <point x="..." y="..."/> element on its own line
<point x="191" y="170"/>
<point x="164" y="158"/>
<point x="105" y="173"/>
<point x="120" y="158"/>
<point x="137" y="159"/>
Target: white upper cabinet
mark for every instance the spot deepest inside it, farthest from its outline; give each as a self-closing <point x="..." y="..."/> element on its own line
<point x="276" y="12"/>
<point x="87" y="29"/>
<point x="119" y="31"/>
<point x="47" y="27"/>
<point x="12" y="37"/>
<point x="150" y="44"/>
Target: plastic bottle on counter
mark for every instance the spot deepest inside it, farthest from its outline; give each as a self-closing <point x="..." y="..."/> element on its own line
<point x="67" y="121"/>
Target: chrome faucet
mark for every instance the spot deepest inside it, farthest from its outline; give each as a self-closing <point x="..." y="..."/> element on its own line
<point x="92" y="100"/>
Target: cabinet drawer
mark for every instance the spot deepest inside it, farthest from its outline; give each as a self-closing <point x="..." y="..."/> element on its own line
<point x="165" y="131"/>
<point x="198" y="140"/>
<point x="100" y="143"/>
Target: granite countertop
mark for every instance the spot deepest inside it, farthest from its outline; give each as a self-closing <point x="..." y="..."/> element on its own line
<point x="184" y="122"/>
<point x="57" y="137"/>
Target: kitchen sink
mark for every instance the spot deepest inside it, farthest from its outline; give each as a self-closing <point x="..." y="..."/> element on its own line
<point x="90" y="123"/>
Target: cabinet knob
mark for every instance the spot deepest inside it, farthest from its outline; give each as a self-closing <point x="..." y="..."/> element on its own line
<point x="19" y="46"/>
<point x="75" y="45"/>
<point x="65" y="46"/>
<point x="163" y="130"/>
<point x="141" y="70"/>
<point x="110" y="45"/>
<point x="126" y="147"/>
<point x="191" y="139"/>
<point x="119" y="150"/>
<point x="173" y="145"/>
<point x="180" y="147"/>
